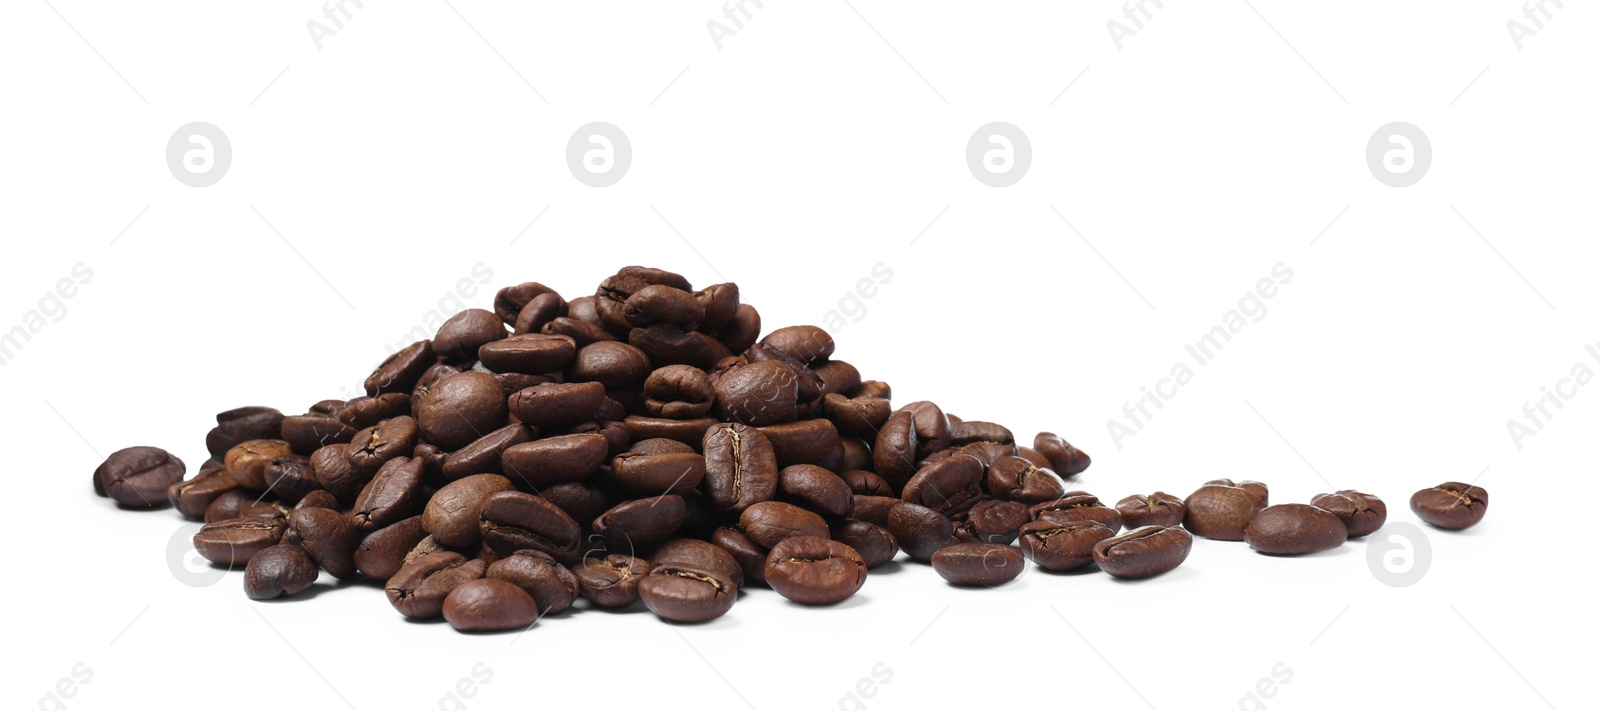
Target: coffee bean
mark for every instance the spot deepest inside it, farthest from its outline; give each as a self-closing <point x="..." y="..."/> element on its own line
<point x="551" y="585"/>
<point x="949" y="485"/>
<point x="663" y="304"/>
<point x="278" y="571"/>
<point x="769" y="522"/>
<point x="816" y="489"/>
<point x="483" y="455"/>
<point x="838" y="377"/>
<point x="138" y="477"/>
<point x="656" y="474"/>
<point x="670" y="345"/>
<point x="451" y="516"/>
<point x="461" y="409"/>
<point x="419" y="588"/>
<point x="678" y="392"/>
<point x="319" y="499"/>
<point x="920" y="530"/>
<point x="373" y="446"/>
<point x="690" y="432"/>
<point x="555" y="405"/>
<point x="394" y="493"/>
<point x="757" y="394"/>
<point x="1361" y="513"/>
<point x="989" y="564"/>
<point x="242" y="425"/>
<point x="554" y="459"/>
<point x="233" y="541"/>
<point x="972" y="431"/>
<point x="1065" y="459"/>
<point x="875" y="543"/>
<point x="365" y="412"/>
<point x="328" y="537"/>
<point x="1062" y="546"/>
<point x="290" y="477"/>
<point x="382" y="552"/>
<point x="932" y="426"/>
<point x="693" y="553"/>
<point x="308" y="433"/>
<point x="1453" y="506"/>
<point x="873" y="509"/>
<point x="741" y="468"/>
<point x="1143" y="552"/>
<point x="247" y="461"/>
<point x="1034" y="457"/>
<point x="191" y="497"/>
<point x="1294" y="529"/>
<point x="509" y="301"/>
<point x="640" y="522"/>
<point x="812" y="570"/>
<point x="530" y="353"/>
<point x="801" y="442"/>
<point x="894" y="456"/>
<point x="489" y="605"/>
<point x="229" y="505"/>
<point x="463" y="334"/>
<point x="865" y="482"/>
<point x="611" y="580"/>
<point x="543" y="309"/>
<point x="991" y="521"/>
<point x="1014" y="478"/>
<point x="611" y="363"/>
<point x="1221" y="511"/>
<point x="1078" y="506"/>
<point x="682" y="593"/>
<point x="1158" y="509"/>
<point x="857" y="417"/>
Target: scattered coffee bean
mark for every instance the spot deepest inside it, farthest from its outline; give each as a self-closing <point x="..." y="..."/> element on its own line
<point x="1062" y="546"/>
<point x="611" y="580"/>
<point x="551" y="585"/>
<point x="988" y="564"/>
<point x="1220" y="510"/>
<point x="419" y="588"/>
<point x="138" y="477"/>
<point x="1452" y="505"/>
<point x="1158" y="509"/>
<point x="815" y="571"/>
<point x="1294" y="529"/>
<point x="1361" y="513"/>
<point x="1143" y="552"/>
<point x="489" y="605"/>
<point x="278" y="571"/>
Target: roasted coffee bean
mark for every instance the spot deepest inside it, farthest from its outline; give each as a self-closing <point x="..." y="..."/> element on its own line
<point x="308" y="433"/>
<point x="838" y="377"/>
<point x="138" y="477"/>
<point x="864" y="482"/>
<point x="1294" y="529"/>
<point x="382" y="552"/>
<point x="461" y="409"/>
<point x="651" y="275"/>
<point x="659" y="445"/>
<point x="741" y="332"/>
<point x="947" y="486"/>
<point x="483" y="455"/>
<point x="663" y="304"/>
<point x="400" y="372"/>
<point x="751" y="556"/>
<point x="1062" y="546"/>
<point x="319" y="499"/>
<point x="530" y="353"/>
<point x="670" y="345"/>
<point x="488" y="605"/>
<point x="242" y="425"/>
<point x="514" y="520"/>
<point x="802" y="442"/>
<point x="611" y="580"/>
<point x="690" y="432"/>
<point x="1065" y="459"/>
<point x="543" y="309"/>
<point x="816" y="489"/>
<point x="451" y="516"/>
<point x="1033" y="456"/>
<point x="427" y="545"/>
<point x="857" y="417"/>
<point x="233" y="541"/>
<point x="1221" y="511"/>
<point x="328" y="537"/>
<point x="741" y="468"/>
<point x="988" y="564"/>
<point x="693" y="553"/>
<point x="894" y="457"/>
<point x="368" y="411"/>
<point x="719" y="302"/>
<point x="657" y="474"/>
<point x="992" y="521"/>
<point x="1143" y="552"/>
<point x="555" y="405"/>
<point x="193" y="496"/>
<point x="758" y="394"/>
<point x="970" y="431"/>
<point x="933" y="427"/>
<point x="278" y="571"/>
<point x="290" y="477"/>
<point x="640" y="522"/>
<point x="581" y="500"/>
<point x="375" y="445"/>
<point x="1017" y="479"/>
<point x="808" y="385"/>
<point x="394" y="493"/>
<point x="873" y="509"/>
<point x="681" y="593"/>
<point x="581" y="332"/>
<point x="247" y="461"/>
<point x="264" y="509"/>
<point x="419" y="588"/>
<point x="1452" y="505"/>
<point x="509" y="301"/>
<point x="1361" y="513"/>
<point x="1255" y="487"/>
<point x="807" y="344"/>
<point x="875" y="543"/>
<point x="611" y="363"/>
<point x="548" y="582"/>
<point x="919" y="529"/>
<point x="812" y="570"/>
<point x="1078" y="506"/>
<point x="1158" y="509"/>
<point x="873" y="388"/>
<point x="678" y="392"/>
<point x="336" y="473"/>
<point x="555" y="459"/>
<point x="229" y="505"/>
<point x="769" y="522"/>
<point x="463" y="334"/>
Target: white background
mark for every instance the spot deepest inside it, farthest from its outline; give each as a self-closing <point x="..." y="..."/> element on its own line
<point x="823" y="138"/>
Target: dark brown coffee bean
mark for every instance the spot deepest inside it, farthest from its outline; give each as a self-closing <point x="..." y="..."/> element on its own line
<point x="750" y="556"/>
<point x="336" y="473"/>
<point x="678" y="392"/>
<point x="513" y="520"/>
<point x="1017" y="479"/>
<point x="741" y="332"/>
<point x="1062" y="546"/>
<point x="530" y="353"/>
<point x="419" y="588"/>
<point x="741" y="468"/>
<point x="651" y="275"/>
<point x="290" y="477"/>
<point x="663" y="304"/>
<point x="1143" y="552"/>
<point x="992" y="521"/>
<point x="670" y="345"/>
<point x="229" y="505"/>
<point x="611" y="580"/>
<point x="1453" y="506"/>
<point x="807" y="344"/>
<point x="1158" y="509"/>
<point x="193" y="496"/>
<point x="894" y="456"/>
<point x="657" y="474"/>
<point x="556" y="405"/>
<point x="681" y="593"/>
<point x="838" y="377"/>
<point x="933" y="427"/>
<point x="461" y="409"/>
<point x="548" y="582"/>
<point x="483" y="455"/>
<point x="319" y="499"/>
<point x="579" y="499"/>
<point x="308" y="433"/>
<point x="489" y="605"/>
<point x="1065" y="459"/>
<point x="328" y="537"/>
<point x="694" y="553"/>
<point x="451" y="516"/>
<point x="509" y="301"/>
<point x="1078" y="506"/>
<point x="371" y="447"/>
<point x="368" y="411"/>
<point x="234" y="541"/>
<point x="757" y="394"/>
<point x="946" y="486"/>
<point x="138" y="477"/>
<point x="812" y="570"/>
<point x="1294" y="529"/>
<point x="988" y="564"/>
<point x="463" y="334"/>
<point x="690" y="432"/>
<point x="242" y="425"/>
<point x="394" y="493"/>
<point x="919" y="529"/>
<point x="875" y="543"/>
<point x="864" y="482"/>
<point x="1033" y="456"/>
<point x="400" y="372"/>
<point x="278" y="571"/>
<point x="857" y="417"/>
<point x="802" y="442"/>
<point x="1221" y="511"/>
<point x="719" y="303"/>
<point x="581" y="332"/>
<point x="543" y="309"/>
<point x="873" y="509"/>
<point x="553" y="460"/>
<point x="247" y="461"/>
<point x="611" y="363"/>
<point x="769" y="522"/>
<point x="382" y="552"/>
<point x="1361" y="513"/>
<point x="816" y="489"/>
<point x="641" y="522"/>
<point x="970" y="431"/>
<point x="265" y="509"/>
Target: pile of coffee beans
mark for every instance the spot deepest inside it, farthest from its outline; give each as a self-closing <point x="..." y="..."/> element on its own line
<point x="648" y="444"/>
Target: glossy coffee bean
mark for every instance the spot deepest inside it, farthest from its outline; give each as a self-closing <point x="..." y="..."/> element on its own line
<point x="866" y="483"/>
<point x="511" y="521"/>
<point x="678" y="392"/>
<point x="553" y="460"/>
<point x="949" y="485"/>
<point x="1221" y="511"/>
<point x="815" y="571"/>
<point x="1065" y="459"/>
<point x="815" y="488"/>
<point x="640" y="522"/>
<point x="138" y="477"/>
<point x="290" y="477"/>
<point x="400" y="372"/>
<point x="328" y="537"/>
<point x="1143" y="552"/>
<point x="229" y="505"/>
<point x="613" y="364"/>
<point x="920" y="530"/>
<point x="509" y="301"/>
<point x="278" y="571"/>
<point x="382" y="552"/>
<point x="1158" y="509"/>
<point x="364" y="412"/>
<point x="992" y="521"/>
<point x="1014" y="478"/>
<point x="1361" y="513"/>
<point x="530" y="353"/>
<point x="557" y="405"/>
<point x="1062" y="546"/>
<point x="875" y="543"/>
<point x="987" y="564"/>
<point x="680" y="593"/>
<point x="894" y="456"/>
<point x="658" y="303"/>
<point x="694" y="553"/>
<point x="371" y="447"/>
<point x="857" y="417"/>
<point x="690" y="432"/>
<point x="242" y="425"/>
<point x="769" y="522"/>
<point x="801" y="442"/>
<point x="539" y="312"/>
<point x="932" y="426"/>
<point x="751" y="556"/>
<point x="719" y="302"/>
<point x="551" y="585"/>
<point x="758" y="394"/>
<point x="247" y="461"/>
<point x="451" y="516"/>
<point x="307" y="433"/>
<point x="192" y="496"/>
<point x="483" y="455"/>
<point x="489" y="605"/>
<point x="654" y="474"/>
<point x="463" y="334"/>
<point x="394" y="493"/>
<point x="969" y="431"/>
<point x="1294" y="529"/>
<point x="611" y="580"/>
<point x="1078" y="506"/>
<point x="807" y="344"/>
<point x="462" y="408"/>
<point x="741" y="468"/>
<point x="1452" y="505"/>
<point x="319" y="499"/>
<point x="419" y="588"/>
<point x="234" y="541"/>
